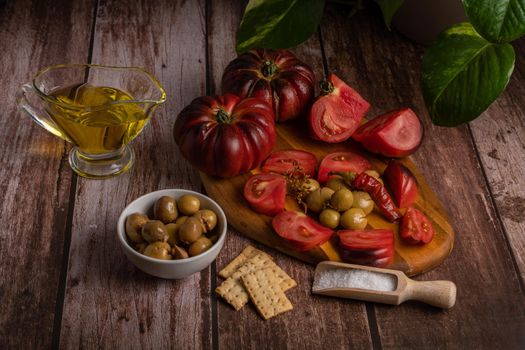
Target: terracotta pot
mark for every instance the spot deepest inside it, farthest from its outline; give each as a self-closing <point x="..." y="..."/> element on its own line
<point x="422" y="20"/>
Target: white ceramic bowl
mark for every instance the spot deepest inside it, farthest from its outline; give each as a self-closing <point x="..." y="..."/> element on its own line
<point x="171" y="269"/>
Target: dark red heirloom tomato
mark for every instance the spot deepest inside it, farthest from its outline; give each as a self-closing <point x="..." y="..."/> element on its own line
<point x="416" y="228"/>
<point x="367" y="247"/>
<point x="266" y="193"/>
<point x="402" y="183"/>
<point x="301" y="231"/>
<point x="291" y="160"/>
<point x="341" y="162"/>
<point x="394" y="134"/>
<point x="275" y="76"/>
<point x="337" y="112"/>
<point x="224" y="135"/>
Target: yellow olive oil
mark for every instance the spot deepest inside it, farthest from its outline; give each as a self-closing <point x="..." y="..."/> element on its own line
<point x="95" y="118"/>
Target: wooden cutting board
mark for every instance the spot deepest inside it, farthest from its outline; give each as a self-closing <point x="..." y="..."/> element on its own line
<point x="410" y="259"/>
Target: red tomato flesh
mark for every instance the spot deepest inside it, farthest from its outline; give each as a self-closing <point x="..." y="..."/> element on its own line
<point x="341" y="161"/>
<point x="394" y="134"/>
<point x="300" y="231"/>
<point x="416" y="228"/>
<point x="402" y="183"/>
<point x="266" y="193"/>
<point x="288" y="161"/>
<point x="367" y="247"/>
<point x="335" y="115"/>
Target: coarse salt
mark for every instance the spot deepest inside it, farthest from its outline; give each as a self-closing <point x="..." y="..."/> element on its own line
<point x="350" y="278"/>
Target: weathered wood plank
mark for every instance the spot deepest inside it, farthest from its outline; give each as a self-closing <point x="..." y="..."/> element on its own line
<point x="109" y="303"/>
<point x="315" y="322"/>
<point x="499" y="135"/>
<point x="489" y="312"/>
<point x="35" y="178"/>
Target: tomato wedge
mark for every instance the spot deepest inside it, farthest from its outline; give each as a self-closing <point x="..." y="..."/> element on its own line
<point x="341" y="161"/>
<point x="402" y="183"/>
<point x="301" y="231"/>
<point x="394" y="134"/>
<point x="416" y="228"/>
<point x="337" y="112"/>
<point x="291" y="160"/>
<point x="367" y="247"/>
<point x="266" y="193"/>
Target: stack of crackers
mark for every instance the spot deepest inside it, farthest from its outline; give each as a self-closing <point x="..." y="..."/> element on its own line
<point x="253" y="275"/>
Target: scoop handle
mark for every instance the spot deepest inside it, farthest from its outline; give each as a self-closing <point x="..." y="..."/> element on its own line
<point x="438" y="293"/>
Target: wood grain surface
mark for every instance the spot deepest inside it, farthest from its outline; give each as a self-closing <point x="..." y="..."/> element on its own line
<point x="35" y="178"/>
<point x="64" y="281"/>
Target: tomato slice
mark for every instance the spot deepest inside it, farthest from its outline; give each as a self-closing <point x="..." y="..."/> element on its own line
<point x="394" y="134"/>
<point x="402" y="183"/>
<point x="337" y="113"/>
<point x="367" y="247"/>
<point x="341" y="161"/>
<point x="266" y="193"/>
<point x="416" y="228"/>
<point x="301" y="231"/>
<point x="288" y="161"/>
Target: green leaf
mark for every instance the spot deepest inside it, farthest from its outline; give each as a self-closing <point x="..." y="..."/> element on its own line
<point x="389" y="8"/>
<point x="498" y="21"/>
<point x="463" y="74"/>
<point x="278" y="24"/>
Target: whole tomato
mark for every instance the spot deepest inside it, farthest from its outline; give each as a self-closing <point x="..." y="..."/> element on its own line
<point x="275" y="76"/>
<point x="225" y="135"/>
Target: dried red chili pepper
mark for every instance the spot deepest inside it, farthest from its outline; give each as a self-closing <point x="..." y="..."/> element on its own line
<point x="377" y="191"/>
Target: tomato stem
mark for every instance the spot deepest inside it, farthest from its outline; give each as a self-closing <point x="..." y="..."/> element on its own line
<point x="223" y="117"/>
<point x="326" y="87"/>
<point x="268" y="69"/>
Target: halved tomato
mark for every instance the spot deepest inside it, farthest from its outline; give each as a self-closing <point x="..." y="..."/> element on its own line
<point x="402" y="183"/>
<point x="337" y="112"/>
<point x="416" y="228"/>
<point x="394" y="134"/>
<point x="266" y="193"/>
<point x="300" y="230"/>
<point x="291" y="160"/>
<point x="367" y="247"/>
<point x="341" y="162"/>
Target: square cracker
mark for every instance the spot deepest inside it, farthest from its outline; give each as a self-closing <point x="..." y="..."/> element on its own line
<point x="247" y="253"/>
<point x="232" y="289"/>
<point x="264" y="291"/>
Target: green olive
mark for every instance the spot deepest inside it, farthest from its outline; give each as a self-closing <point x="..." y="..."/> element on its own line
<point x="214" y="238"/>
<point x="140" y="247"/>
<point x="375" y="175"/>
<point x="173" y="233"/>
<point x="190" y="230"/>
<point x="158" y="250"/>
<point x="364" y="201"/>
<point x="310" y="185"/>
<point x="335" y="183"/>
<point x="153" y="231"/>
<point x="329" y="218"/>
<point x="134" y="224"/>
<point x="316" y="200"/>
<point x="200" y="246"/>
<point x="188" y="204"/>
<point x="208" y="219"/>
<point x="179" y="252"/>
<point x="342" y="199"/>
<point x="354" y="219"/>
<point x="180" y="220"/>
<point x="165" y="209"/>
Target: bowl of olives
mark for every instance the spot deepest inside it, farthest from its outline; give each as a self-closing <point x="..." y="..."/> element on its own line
<point x="172" y="233"/>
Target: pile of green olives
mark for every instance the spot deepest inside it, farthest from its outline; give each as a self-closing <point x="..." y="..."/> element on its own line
<point x="178" y="229"/>
<point x="339" y="206"/>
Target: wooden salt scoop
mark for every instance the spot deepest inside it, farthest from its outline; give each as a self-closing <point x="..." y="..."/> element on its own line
<point x="438" y="293"/>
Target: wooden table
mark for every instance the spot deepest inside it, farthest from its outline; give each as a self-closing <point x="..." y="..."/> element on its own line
<point x="64" y="282"/>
